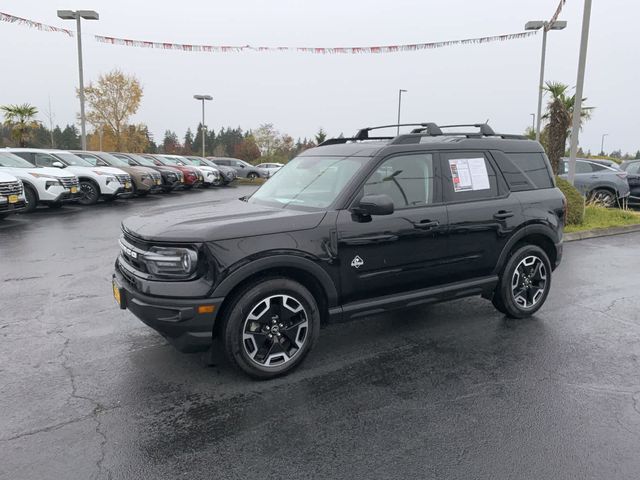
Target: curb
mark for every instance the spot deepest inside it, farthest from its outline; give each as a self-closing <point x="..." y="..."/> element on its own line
<point x="600" y="232"/>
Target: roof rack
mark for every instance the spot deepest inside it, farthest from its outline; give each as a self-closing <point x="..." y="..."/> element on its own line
<point x="425" y="129"/>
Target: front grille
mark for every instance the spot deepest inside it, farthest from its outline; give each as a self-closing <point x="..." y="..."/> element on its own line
<point x="10" y="188"/>
<point x="132" y="251"/>
<point x="123" y="178"/>
<point x="68" y="182"/>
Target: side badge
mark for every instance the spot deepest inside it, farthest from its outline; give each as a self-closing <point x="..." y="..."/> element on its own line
<point x="357" y="262"/>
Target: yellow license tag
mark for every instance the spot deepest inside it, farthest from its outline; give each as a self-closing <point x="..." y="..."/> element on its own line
<point x="157" y="182"/>
<point x="116" y="293"/>
<point x="182" y="180"/>
<point x="74" y="189"/>
<point x="13" y="198"/>
<point x="127" y="185"/>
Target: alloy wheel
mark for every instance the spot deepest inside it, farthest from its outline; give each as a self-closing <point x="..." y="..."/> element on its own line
<point x="275" y="330"/>
<point x="529" y="282"/>
<point x="87" y="192"/>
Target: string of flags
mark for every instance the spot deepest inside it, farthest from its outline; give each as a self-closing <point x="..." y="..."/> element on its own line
<point x="380" y="49"/>
<point x="556" y="14"/>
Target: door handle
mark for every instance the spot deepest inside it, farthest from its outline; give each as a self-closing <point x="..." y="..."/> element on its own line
<point x="426" y="224"/>
<point x="502" y="214"/>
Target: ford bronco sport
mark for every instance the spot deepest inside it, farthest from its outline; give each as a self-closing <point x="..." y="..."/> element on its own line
<point x="353" y="227"/>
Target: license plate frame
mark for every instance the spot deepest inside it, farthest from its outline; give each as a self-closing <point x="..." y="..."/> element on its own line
<point x="13" y="199"/>
<point x="119" y="294"/>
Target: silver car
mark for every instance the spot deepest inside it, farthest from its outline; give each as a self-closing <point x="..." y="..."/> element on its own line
<point x="242" y="168"/>
<point x="598" y="182"/>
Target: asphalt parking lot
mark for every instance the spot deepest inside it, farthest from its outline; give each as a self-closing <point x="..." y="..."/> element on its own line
<point x="447" y="391"/>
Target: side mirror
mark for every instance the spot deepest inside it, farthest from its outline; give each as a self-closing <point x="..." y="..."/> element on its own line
<point x="375" y="205"/>
<point x="57" y="164"/>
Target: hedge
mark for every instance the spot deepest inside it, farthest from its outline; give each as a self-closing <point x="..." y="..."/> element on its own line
<point x="575" y="202"/>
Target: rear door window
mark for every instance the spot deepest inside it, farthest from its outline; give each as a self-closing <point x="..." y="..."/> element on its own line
<point x="468" y="176"/>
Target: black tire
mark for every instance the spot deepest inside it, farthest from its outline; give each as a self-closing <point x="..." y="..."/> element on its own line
<point x="90" y="192"/>
<point x="604" y="197"/>
<point x="278" y="354"/>
<point x="532" y="283"/>
<point x="32" y="199"/>
<point x="252" y="175"/>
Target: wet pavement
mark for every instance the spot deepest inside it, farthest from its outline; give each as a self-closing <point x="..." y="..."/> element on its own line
<point x="448" y="391"/>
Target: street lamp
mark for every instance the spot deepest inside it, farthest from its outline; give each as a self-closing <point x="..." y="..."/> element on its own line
<point x="203" y="98"/>
<point x="77" y="15"/>
<point x="602" y="143"/>
<point x="400" y="92"/>
<point x="545" y="26"/>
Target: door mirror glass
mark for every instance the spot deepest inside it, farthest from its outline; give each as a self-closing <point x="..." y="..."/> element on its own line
<point x="380" y="204"/>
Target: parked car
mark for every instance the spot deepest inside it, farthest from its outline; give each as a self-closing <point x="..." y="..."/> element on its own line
<point x="144" y="180"/>
<point x="242" y="168"/>
<point x="228" y="174"/>
<point x="46" y="186"/>
<point x="353" y="227"/>
<point x="95" y="182"/>
<point x="12" y="199"/>
<point x="210" y="175"/>
<point x="632" y="167"/>
<point x="192" y="176"/>
<point x="599" y="183"/>
<point x="172" y="177"/>
<point x="272" y="168"/>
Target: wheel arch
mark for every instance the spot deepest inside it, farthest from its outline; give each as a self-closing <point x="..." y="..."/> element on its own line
<point x="540" y="235"/>
<point x="30" y="185"/>
<point x="299" y="269"/>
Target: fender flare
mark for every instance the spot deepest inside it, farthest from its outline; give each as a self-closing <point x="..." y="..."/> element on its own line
<point x="279" y="261"/>
<point x="32" y="187"/>
<point x="525" y="231"/>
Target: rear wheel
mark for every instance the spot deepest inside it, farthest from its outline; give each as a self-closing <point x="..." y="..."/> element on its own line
<point x="32" y="199"/>
<point x="524" y="283"/>
<point x="270" y="326"/>
<point x="89" y="193"/>
<point x="252" y="176"/>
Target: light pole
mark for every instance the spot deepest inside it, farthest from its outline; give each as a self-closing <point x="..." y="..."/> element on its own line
<point x="602" y="143"/>
<point x="203" y="98"/>
<point x="77" y="16"/>
<point x="577" y="106"/>
<point x="400" y="92"/>
<point x="545" y="26"/>
<point x="533" y="122"/>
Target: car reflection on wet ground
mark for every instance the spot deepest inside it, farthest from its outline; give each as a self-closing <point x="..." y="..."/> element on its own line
<point x="448" y="391"/>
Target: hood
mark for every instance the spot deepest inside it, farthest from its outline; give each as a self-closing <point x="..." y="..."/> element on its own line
<point x="5" y="177"/>
<point x="217" y="220"/>
<point x="86" y="170"/>
<point x="48" y="171"/>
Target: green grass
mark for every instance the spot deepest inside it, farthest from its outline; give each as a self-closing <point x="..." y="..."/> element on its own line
<point x="599" y="217"/>
<point x="248" y="181"/>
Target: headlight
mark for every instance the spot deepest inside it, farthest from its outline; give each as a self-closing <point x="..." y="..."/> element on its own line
<point x="52" y="183"/>
<point x="111" y="179"/>
<point x="171" y="262"/>
<point x="145" y="177"/>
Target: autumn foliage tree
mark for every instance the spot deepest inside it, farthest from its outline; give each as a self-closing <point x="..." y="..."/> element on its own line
<point x="112" y="100"/>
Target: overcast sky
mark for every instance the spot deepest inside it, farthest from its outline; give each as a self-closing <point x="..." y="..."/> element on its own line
<point x="299" y="92"/>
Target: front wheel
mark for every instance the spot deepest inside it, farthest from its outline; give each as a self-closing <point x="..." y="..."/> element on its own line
<point x="89" y="191"/>
<point x="252" y="176"/>
<point x="270" y="327"/>
<point x="524" y="284"/>
<point x="32" y="199"/>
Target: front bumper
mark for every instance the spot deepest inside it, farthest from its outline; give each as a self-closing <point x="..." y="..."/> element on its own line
<point x="176" y="319"/>
<point x="64" y="197"/>
<point x="6" y="207"/>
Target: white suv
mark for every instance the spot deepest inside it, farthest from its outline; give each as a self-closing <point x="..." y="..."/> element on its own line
<point x="210" y="175"/>
<point x="48" y="186"/>
<point x="95" y="182"/>
<point x="11" y="195"/>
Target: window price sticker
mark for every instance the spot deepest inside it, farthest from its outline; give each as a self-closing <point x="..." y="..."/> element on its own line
<point x="469" y="174"/>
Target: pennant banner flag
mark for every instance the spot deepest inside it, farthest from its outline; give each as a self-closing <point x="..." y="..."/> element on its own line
<point x="315" y="50"/>
<point x="5" y="17"/>
<point x="556" y="14"/>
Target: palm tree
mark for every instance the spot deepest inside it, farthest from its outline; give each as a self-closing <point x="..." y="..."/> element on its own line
<point x="21" y="119"/>
<point x="559" y="115"/>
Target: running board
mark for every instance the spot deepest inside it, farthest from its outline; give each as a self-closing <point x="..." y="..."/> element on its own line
<point x="480" y="286"/>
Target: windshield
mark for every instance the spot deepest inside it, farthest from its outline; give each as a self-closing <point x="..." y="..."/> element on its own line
<point x="186" y="161"/>
<point x="209" y="163"/>
<point x="170" y="161"/>
<point x="11" y="160"/>
<point x="196" y="160"/>
<point x="71" y="159"/>
<point x="308" y="182"/>
<point x="113" y="160"/>
<point x="141" y="160"/>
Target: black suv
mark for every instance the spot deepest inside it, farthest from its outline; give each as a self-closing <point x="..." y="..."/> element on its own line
<point x="353" y="227"/>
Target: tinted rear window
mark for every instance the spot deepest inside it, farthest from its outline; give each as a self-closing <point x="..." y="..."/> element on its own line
<point x="534" y="167"/>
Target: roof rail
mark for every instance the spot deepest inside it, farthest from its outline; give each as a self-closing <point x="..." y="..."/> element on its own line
<point x="427" y="128"/>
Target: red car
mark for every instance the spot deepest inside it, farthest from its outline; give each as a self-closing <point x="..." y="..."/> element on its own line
<point x="192" y="176"/>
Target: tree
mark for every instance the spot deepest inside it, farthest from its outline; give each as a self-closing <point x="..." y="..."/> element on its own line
<point x="170" y="144"/>
<point x="247" y="149"/>
<point x="616" y="154"/>
<point x="21" y="120"/>
<point x="188" y="143"/>
<point x="112" y="100"/>
<point x="559" y="115"/>
<point x="67" y="139"/>
<point x="266" y="137"/>
<point x="321" y="136"/>
<point x="638" y="154"/>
